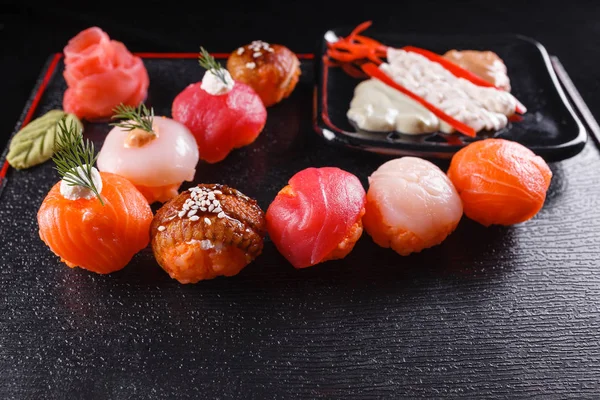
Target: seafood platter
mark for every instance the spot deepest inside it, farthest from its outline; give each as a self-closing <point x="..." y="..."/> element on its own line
<point x="201" y="166"/>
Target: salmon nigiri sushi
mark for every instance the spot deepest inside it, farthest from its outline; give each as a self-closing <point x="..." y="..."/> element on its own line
<point x="93" y="220"/>
<point x="156" y="154"/>
<point x="317" y="217"/>
<point x="221" y="113"/>
<point x="500" y="181"/>
<point x="411" y="205"/>
<point x="101" y="74"/>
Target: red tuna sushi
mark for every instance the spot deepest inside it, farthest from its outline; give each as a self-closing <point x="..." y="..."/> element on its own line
<point x="221" y="113"/>
<point x="318" y="216"/>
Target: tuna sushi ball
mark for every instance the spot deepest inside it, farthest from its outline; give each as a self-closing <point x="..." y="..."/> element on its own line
<point x="411" y="205"/>
<point x="318" y="216"/>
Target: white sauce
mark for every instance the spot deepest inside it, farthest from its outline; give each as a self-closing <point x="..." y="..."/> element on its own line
<point x="78" y="192"/>
<point x="212" y="84"/>
<point x="377" y="107"/>
<point x="477" y="106"/>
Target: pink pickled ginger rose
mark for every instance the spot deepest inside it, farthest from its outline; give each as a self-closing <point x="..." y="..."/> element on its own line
<point x="101" y="74"/>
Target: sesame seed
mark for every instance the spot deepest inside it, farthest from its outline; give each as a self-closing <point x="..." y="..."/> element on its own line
<point x="221" y="215"/>
<point x="250" y="65"/>
<point x="202" y="208"/>
<point x="270" y="50"/>
<point x="193" y="212"/>
<point x="240" y="51"/>
<point x="195" y="207"/>
<point x="211" y="207"/>
<point x="181" y="214"/>
<point x="211" y="196"/>
<point x="194" y="218"/>
<point x="207" y="221"/>
<point x="161" y="228"/>
<point x="257" y="54"/>
<point x="217" y="210"/>
<point x="217" y="192"/>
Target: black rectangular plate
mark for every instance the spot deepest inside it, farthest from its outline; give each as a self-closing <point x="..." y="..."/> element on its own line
<point x="550" y="127"/>
<point x="485" y="309"/>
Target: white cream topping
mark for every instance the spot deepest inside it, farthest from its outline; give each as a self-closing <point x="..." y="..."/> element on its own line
<point x="479" y="107"/>
<point x="214" y="85"/>
<point x="377" y="107"/>
<point x="74" y="192"/>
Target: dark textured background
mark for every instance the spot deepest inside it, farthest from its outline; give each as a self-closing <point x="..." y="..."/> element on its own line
<point x="491" y="313"/>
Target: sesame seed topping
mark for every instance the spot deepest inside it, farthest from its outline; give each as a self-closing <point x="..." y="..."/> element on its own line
<point x="240" y="51"/>
<point x="201" y="200"/>
<point x="161" y="228"/>
<point x="257" y="54"/>
<point x="207" y="221"/>
<point x="250" y="65"/>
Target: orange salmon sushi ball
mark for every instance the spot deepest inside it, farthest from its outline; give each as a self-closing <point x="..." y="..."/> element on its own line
<point x="100" y="238"/>
<point x="500" y="181"/>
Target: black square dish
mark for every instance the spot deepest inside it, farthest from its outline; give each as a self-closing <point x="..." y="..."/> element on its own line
<point x="550" y="127"/>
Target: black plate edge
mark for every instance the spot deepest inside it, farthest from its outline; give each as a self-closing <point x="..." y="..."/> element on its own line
<point x="345" y="139"/>
<point x="26" y="108"/>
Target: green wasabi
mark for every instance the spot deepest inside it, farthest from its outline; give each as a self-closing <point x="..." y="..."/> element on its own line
<point x="34" y="144"/>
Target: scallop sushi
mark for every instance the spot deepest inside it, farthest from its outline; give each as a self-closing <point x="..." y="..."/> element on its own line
<point x="411" y="205"/>
<point x="221" y="113"/>
<point x="156" y="154"/>
<point x="500" y="181"/>
<point x="318" y="216"/>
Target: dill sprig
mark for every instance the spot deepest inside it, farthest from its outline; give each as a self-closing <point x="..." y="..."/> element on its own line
<point x="70" y="152"/>
<point x="134" y="118"/>
<point x="209" y="63"/>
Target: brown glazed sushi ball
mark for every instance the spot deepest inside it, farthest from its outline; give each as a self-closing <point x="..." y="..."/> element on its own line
<point x="271" y="70"/>
<point x="207" y="231"/>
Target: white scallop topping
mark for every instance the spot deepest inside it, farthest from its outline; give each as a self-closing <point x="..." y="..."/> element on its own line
<point x="75" y="192"/>
<point x="214" y="85"/>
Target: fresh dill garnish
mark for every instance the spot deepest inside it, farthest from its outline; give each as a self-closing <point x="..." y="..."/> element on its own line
<point x="134" y="118"/>
<point x="71" y="152"/>
<point x="209" y="63"/>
